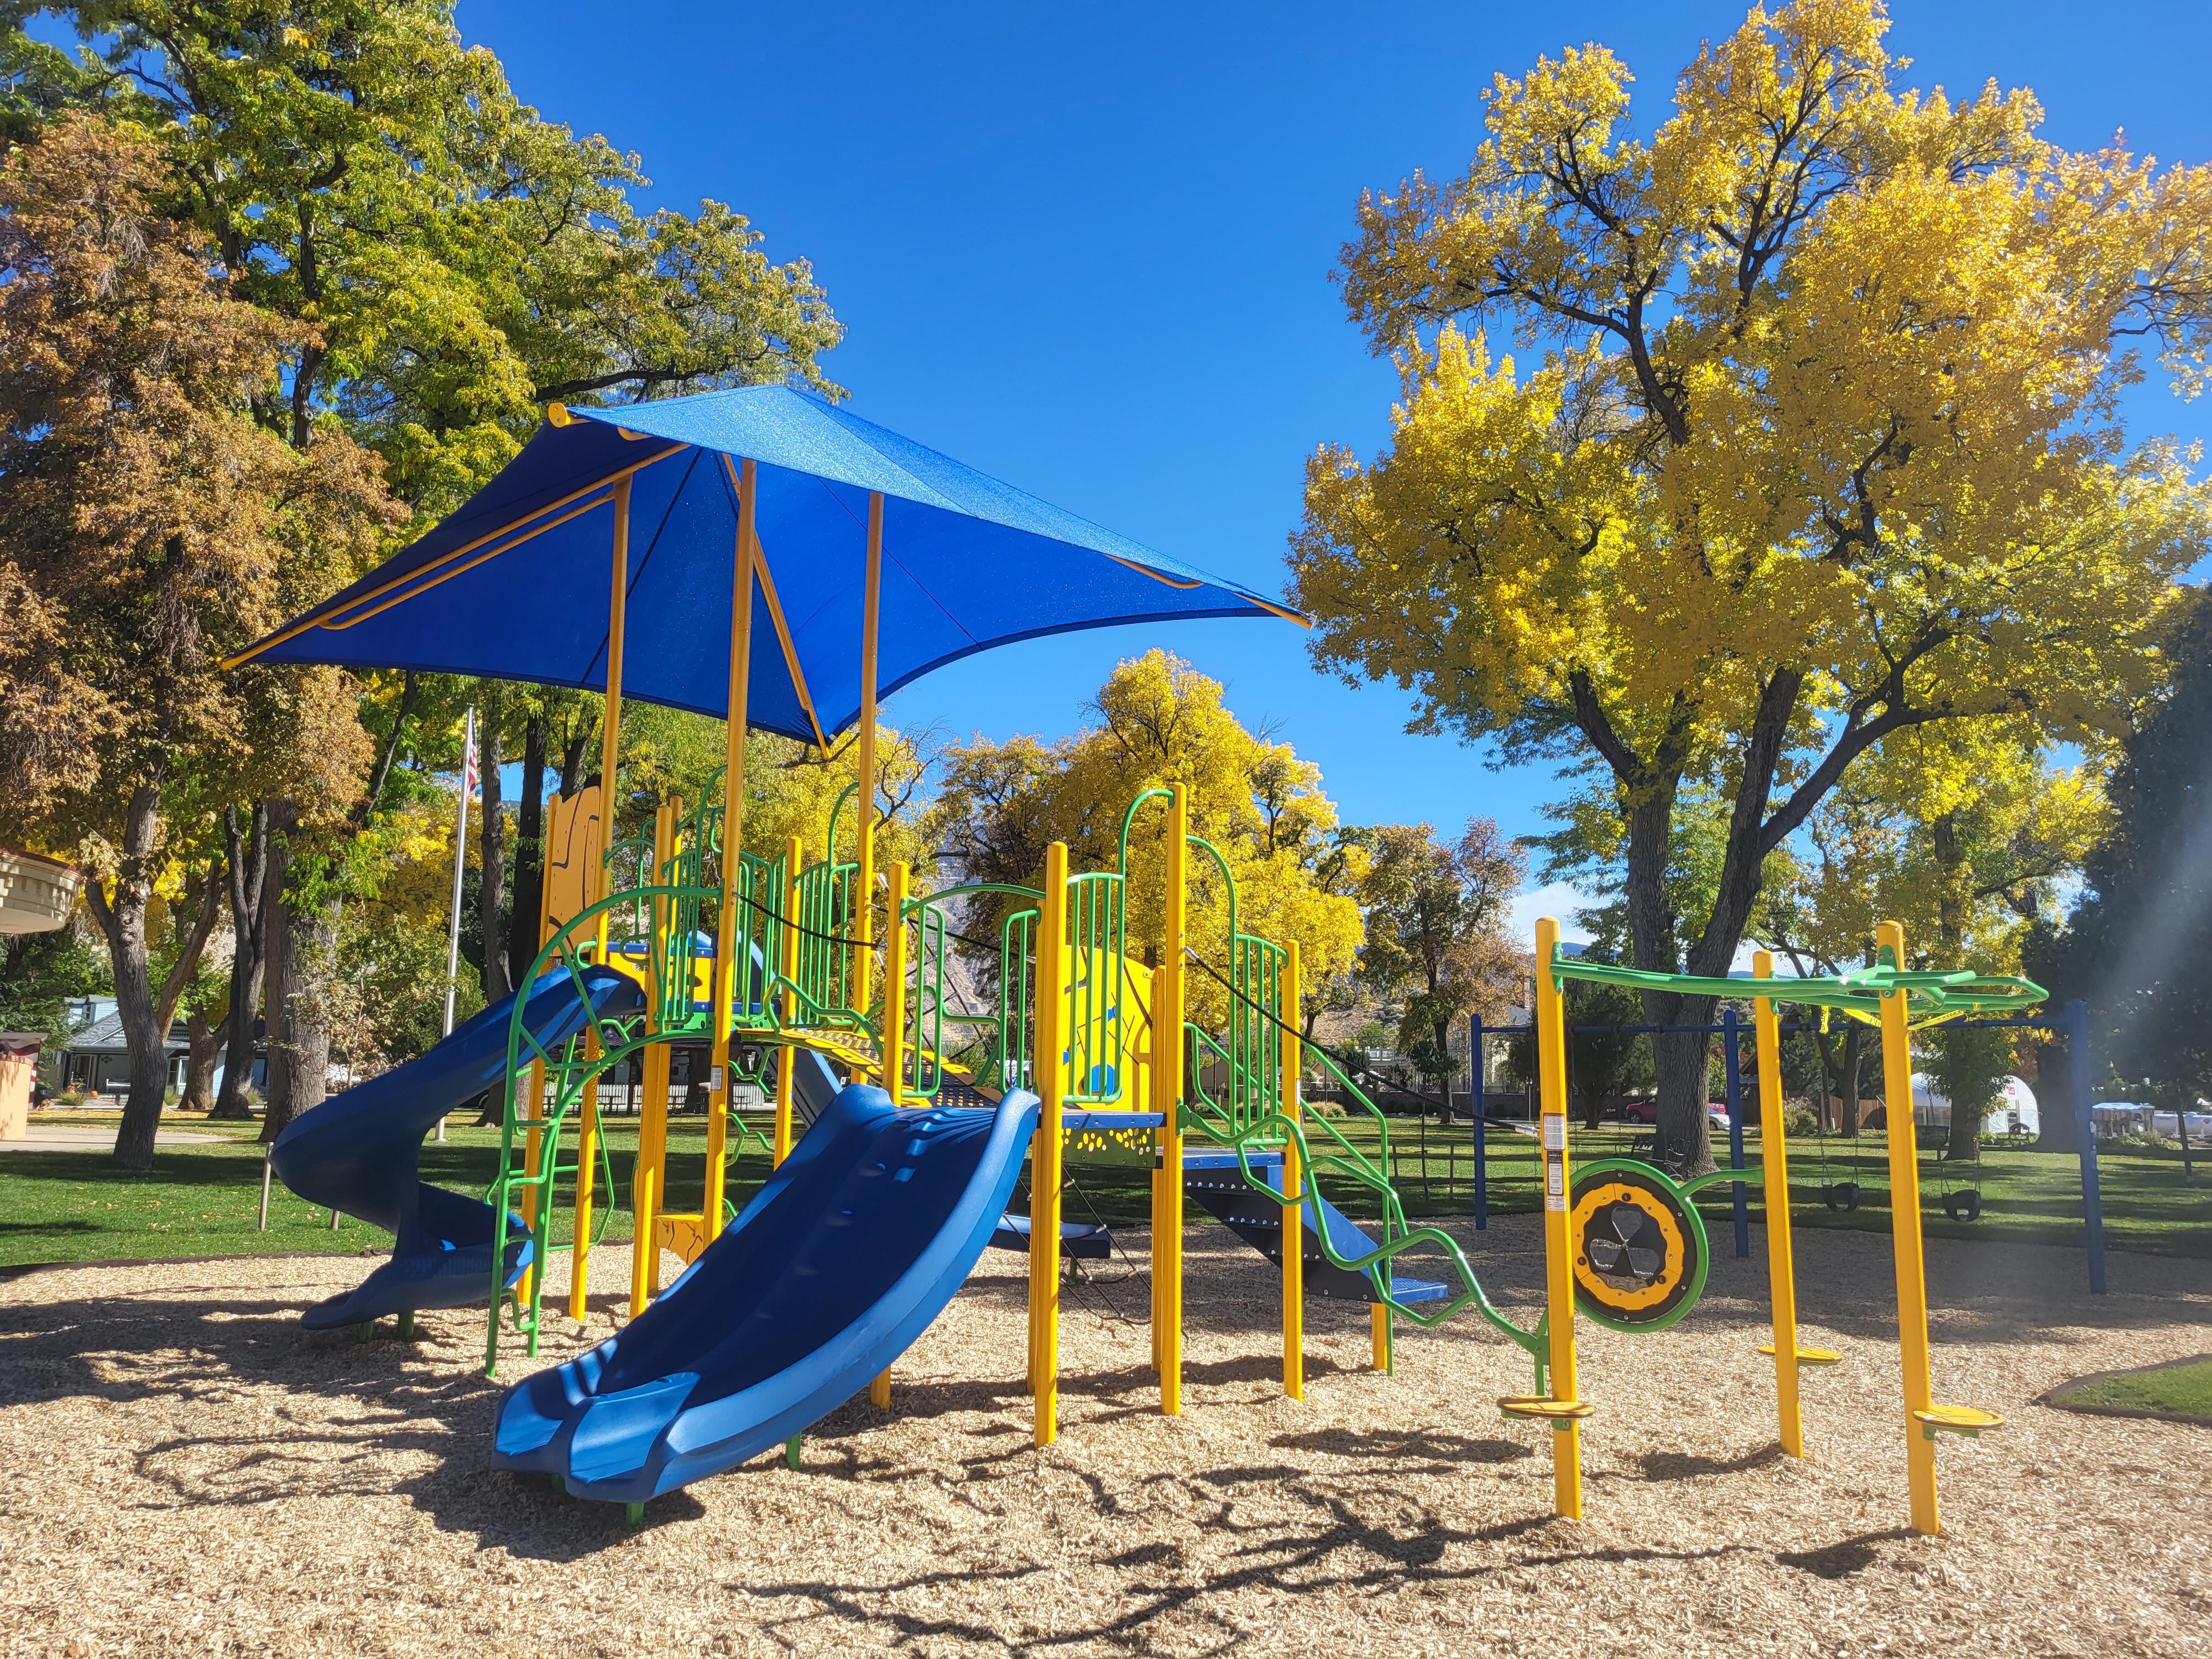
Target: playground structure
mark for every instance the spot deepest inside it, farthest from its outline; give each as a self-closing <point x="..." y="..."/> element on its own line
<point x="872" y="1217"/>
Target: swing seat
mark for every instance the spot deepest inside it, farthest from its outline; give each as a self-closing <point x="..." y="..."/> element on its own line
<point x="1969" y="1420"/>
<point x="1964" y="1205"/>
<point x="1842" y="1196"/>
<point x="1807" y="1356"/>
<point x="1537" y="1408"/>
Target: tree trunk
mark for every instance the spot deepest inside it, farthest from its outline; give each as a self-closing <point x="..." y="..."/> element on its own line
<point x="522" y="940"/>
<point x="206" y="1043"/>
<point x="1853" y="1058"/>
<point x="1682" y="1068"/>
<point x="249" y="926"/>
<point x="301" y="940"/>
<point x="123" y="919"/>
<point x="491" y="890"/>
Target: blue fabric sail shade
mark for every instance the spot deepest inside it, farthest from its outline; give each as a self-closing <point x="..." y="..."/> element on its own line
<point x="517" y="583"/>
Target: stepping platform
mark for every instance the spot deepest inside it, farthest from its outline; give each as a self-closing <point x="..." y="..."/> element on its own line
<point x="1537" y="1408"/>
<point x="1969" y="1420"/>
<point x="1081" y="1241"/>
<point x="1807" y="1356"/>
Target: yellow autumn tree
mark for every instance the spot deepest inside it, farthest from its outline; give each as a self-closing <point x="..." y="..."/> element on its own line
<point x="1819" y="442"/>
<point x="1158" y="721"/>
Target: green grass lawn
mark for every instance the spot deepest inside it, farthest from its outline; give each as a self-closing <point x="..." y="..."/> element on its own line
<point x="201" y="1199"/>
<point x="2183" y="1389"/>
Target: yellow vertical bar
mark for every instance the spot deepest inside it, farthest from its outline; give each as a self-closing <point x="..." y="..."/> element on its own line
<point x="729" y="937"/>
<point x="1294" y="1228"/>
<point x="1378" y="1332"/>
<point x="649" y="1176"/>
<point x="1774" y="1168"/>
<point x="1559" y="1244"/>
<point x="894" y="1043"/>
<point x="1167" y="1089"/>
<point x="864" y="957"/>
<point x="786" y="1081"/>
<point x="1904" y="1227"/>
<point x="588" y="1138"/>
<point x="1051" y="982"/>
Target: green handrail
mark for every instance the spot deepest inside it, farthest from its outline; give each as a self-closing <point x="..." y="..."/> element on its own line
<point x="1858" y="992"/>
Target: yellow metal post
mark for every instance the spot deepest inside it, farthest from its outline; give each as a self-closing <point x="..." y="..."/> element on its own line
<point x="730" y="937"/>
<point x="1046" y="1057"/>
<point x="1904" y="1227"/>
<point x="894" y="1044"/>
<point x="587" y="1139"/>
<point x="650" y="1174"/>
<point x="1168" y="1087"/>
<point x="1294" y="1230"/>
<point x="1558" y="1243"/>
<point x="1378" y="1334"/>
<point x="865" y="817"/>
<point x="1774" y="1162"/>
<point x="787" y="1070"/>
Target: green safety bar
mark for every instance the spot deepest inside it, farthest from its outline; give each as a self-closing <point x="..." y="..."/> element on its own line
<point x="1338" y="1154"/>
<point x="570" y="1068"/>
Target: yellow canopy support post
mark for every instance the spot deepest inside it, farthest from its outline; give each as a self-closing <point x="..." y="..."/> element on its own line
<point x="1781" y="1261"/>
<point x="1905" y="1230"/>
<point x="864" y="956"/>
<point x="728" y="936"/>
<point x="1294" y="1228"/>
<point x="1047" y="1061"/>
<point x="1559" y="1241"/>
<point x="588" y="1138"/>
<point x="787" y="1080"/>
<point x="1168" y="983"/>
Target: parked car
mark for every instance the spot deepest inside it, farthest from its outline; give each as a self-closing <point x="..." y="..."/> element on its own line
<point x="1647" y="1111"/>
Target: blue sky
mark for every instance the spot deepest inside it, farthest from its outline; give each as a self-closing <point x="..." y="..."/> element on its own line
<point x="1086" y="248"/>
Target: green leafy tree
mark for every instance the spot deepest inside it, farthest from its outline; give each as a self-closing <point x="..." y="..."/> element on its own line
<point x="2137" y="946"/>
<point x="1819" y="441"/>
<point x="1435" y="914"/>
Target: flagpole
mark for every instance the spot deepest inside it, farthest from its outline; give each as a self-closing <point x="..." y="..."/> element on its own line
<point x="461" y="854"/>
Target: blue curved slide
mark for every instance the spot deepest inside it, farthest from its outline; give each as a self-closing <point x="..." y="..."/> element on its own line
<point x="840" y="1261"/>
<point x="359" y="1152"/>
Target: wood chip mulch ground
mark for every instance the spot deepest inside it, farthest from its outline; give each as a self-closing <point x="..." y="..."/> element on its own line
<point x="183" y="1470"/>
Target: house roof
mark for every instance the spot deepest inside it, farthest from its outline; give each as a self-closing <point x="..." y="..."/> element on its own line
<point x="105" y="1037"/>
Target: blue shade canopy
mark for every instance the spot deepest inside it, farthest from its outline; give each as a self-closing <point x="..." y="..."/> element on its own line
<point x="517" y="584"/>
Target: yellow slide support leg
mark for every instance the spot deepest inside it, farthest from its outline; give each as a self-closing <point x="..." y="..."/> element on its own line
<point x="1294" y="1228"/>
<point x="1565" y="1409"/>
<point x="1044" y="1167"/>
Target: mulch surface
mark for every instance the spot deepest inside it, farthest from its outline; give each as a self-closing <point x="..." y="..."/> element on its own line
<point x="183" y="1470"/>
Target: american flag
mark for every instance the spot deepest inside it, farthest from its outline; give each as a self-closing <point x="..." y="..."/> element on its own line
<point x="469" y="757"/>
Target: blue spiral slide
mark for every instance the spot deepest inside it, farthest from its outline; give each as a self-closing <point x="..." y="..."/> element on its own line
<point x="837" y="1264"/>
<point x="359" y="1152"/>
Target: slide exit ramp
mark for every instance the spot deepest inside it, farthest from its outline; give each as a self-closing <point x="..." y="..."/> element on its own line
<point x="848" y="1253"/>
<point x="360" y="1152"/>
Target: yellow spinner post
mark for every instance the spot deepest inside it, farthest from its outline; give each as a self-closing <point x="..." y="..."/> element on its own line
<point x="1168" y="994"/>
<point x="1905" y="1230"/>
<point x="1559" y="1241"/>
<point x="1047" y="1059"/>
<point x="1781" y="1256"/>
<point x="894" y="1044"/>
<point x="1294" y="1230"/>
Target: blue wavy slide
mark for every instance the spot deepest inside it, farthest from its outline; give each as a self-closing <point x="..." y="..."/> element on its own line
<point x="837" y="1264"/>
<point x="360" y="1152"/>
